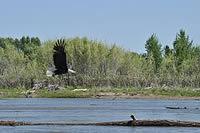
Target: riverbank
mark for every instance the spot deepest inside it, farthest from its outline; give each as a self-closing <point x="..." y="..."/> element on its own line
<point x="112" y="93"/>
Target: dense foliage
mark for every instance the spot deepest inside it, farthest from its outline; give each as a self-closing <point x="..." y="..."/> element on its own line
<point x="25" y="61"/>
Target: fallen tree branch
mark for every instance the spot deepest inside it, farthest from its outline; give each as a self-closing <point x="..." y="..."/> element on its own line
<point x="160" y="123"/>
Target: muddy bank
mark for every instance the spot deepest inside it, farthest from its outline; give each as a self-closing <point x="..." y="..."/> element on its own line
<point x="139" y="96"/>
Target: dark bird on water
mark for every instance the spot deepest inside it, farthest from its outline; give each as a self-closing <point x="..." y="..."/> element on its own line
<point x="59" y="59"/>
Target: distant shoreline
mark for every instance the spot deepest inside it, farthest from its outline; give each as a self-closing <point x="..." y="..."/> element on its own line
<point x="146" y="97"/>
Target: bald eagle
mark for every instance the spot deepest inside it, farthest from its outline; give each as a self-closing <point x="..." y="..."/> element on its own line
<point x="59" y="59"/>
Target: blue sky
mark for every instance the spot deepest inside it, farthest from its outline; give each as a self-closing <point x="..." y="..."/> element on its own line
<point x="128" y="23"/>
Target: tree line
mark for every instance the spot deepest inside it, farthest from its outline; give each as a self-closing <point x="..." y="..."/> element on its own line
<point x="24" y="61"/>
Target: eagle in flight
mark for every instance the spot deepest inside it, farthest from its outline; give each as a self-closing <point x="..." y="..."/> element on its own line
<point x="59" y="59"/>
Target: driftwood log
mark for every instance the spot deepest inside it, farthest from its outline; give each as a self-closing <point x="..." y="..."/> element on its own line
<point x="165" y="123"/>
<point x="176" y="107"/>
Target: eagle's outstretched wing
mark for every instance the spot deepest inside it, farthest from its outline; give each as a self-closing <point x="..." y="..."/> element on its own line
<point x="59" y="57"/>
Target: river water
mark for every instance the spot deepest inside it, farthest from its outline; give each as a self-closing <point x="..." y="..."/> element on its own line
<point x="83" y="110"/>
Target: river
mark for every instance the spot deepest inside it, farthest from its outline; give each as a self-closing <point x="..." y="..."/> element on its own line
<point x="83" y="110"/>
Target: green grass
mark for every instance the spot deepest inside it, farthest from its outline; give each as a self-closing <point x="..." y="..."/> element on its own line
<point x="184" y="92"/>
<point x="69" y="93"/>
<point x="12" y="93"/>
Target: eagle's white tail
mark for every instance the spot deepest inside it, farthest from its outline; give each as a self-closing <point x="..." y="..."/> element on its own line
<point x="71" y="71"/>
<point x="50" y="71"/>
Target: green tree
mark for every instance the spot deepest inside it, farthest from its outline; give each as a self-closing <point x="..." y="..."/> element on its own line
<point x="182" y="48"/>
<point x="22" y="43"/>
<point x="17" y="43"/>
<point x="153" y="49"/>
<point x="35" y="41"/>
<point x="28" y="40"/>
<point x="2" y="43"/>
